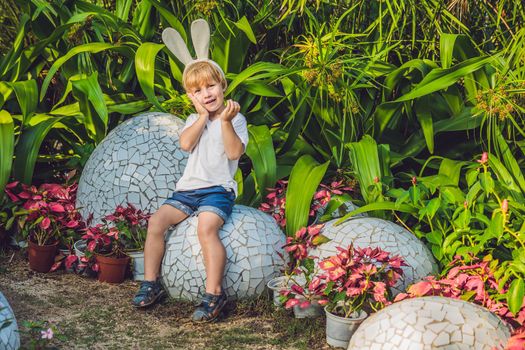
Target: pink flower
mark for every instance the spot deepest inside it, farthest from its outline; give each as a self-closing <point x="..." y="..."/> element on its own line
<point x="48" y="334"/>
<point x="484" y="158"/>
<point x="504" y="206"/>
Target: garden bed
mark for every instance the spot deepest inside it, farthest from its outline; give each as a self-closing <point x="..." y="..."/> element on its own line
<point x="96" y="315"/>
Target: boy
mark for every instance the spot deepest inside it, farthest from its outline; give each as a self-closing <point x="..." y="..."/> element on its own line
<point x="216" y="136"/>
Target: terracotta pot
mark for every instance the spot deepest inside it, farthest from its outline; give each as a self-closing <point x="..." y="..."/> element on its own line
<point x="41" y="257"/>
<point x="111" y="269"/>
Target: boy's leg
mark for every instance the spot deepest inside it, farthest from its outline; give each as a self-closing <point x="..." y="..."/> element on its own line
<point x="212" y="250"/>
<point x="214" y="261"/>
<point x="150" y="290"/>
<point x="159" y="222"/>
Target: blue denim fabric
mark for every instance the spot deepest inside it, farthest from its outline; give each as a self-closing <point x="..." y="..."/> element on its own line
<point x="215" y="199"/>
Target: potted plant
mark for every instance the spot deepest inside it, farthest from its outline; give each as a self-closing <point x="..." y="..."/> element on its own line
<point x="132" y="225"/>
<point x="105" y="245"/>
<point x="45" y="215"/>
<point x="299" y="294"/>
<point x="355" y="281"/>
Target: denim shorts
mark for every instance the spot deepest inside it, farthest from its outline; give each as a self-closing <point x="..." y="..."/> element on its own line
<point x="215" y="199"/>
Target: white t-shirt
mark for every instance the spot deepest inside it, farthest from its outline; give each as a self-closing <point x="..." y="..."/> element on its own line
<point x="208" y="165"/>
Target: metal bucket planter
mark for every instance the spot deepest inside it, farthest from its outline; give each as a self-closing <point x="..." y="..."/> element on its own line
<point x="313" y="310"/>
<point x="137" y="265"/>
<point x="80" y="248"/>
<point x="276" y="285"/>
<point x="339" y="330"/>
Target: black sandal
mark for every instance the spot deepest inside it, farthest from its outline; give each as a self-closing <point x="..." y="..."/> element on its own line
<point x="210" y="308"/>
<point x="149" y="293"/>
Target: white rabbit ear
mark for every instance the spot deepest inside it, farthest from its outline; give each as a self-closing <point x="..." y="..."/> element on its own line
<point x="174" y="42"/>
<point x="200" y="35"/>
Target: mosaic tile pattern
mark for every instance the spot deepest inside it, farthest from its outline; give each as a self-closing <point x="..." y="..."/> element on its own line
<point x="430" y="323"/>
<point x="138" y="162"/>
<point x="9" y="337"/>
<point x="252" y="240"/>
<point x="373" y="232"/>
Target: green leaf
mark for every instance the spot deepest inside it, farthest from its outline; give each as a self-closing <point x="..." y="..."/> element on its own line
<point x="145" y="68"/>
<point x="88" y="93"/>
<point x="379" y="206"/>
<point x="487" y="182"/>
<point x="7" y="141"/>
<point x="515" y="295"/>
<point x="261" y="152"/>
<point x="27" y="148"/>
<point x="91" y="47"/>
<point x="27" y="95"/>
<point x="305" y="178"/>
<point x="244" y="25"/>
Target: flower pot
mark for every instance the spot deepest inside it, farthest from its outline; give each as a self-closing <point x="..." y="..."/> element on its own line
<point x="276" y="285"/>
<point x="80" y="248"/>
<point x="339" y="330"/>
<point x="137" y="265"/>
<point x="41" y="257"/>
<point x="111" y="269"/>
<point x="313" y="310"/>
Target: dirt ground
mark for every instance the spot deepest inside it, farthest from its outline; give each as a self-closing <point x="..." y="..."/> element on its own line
<point x="94" y="315"/>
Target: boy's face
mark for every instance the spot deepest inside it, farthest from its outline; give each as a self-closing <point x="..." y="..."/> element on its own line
<point x="209" y="94"/>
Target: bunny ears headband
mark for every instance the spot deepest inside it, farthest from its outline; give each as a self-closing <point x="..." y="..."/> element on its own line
<point x="200" y="35"/>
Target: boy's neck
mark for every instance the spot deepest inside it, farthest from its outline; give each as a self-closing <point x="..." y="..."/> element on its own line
<point x="214" y="115"/>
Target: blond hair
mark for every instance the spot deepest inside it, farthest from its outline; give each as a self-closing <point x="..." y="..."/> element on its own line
<point x="202" y="71"/>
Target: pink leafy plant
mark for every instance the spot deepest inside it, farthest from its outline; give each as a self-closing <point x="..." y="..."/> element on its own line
<point x="358" y="279"/>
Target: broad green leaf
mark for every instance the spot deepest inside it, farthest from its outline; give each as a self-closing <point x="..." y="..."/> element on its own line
<point x="244" y="25"/>
<point x="7" y="141"/>
<point x="261" y="152"/>
<point x="424" y="117"/>
<point x="27" y="95"/>
<point x="515" y="295"/>
<point x="252" y="70"/>
<point x="145" y="68"/>
<point x="405" y="208"/>
<point x="88" y="93"/>
<point x="170" y="18"/>
<point x="305" y="178"/>
<point x="26" y="150"/>
<point x="91" y="47"/>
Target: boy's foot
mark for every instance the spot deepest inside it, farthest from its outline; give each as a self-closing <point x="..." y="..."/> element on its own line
<point x="149" y="293"/>
<point x="209" y="308"/>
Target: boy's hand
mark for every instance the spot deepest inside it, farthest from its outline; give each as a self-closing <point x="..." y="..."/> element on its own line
<point x="203" y="112"/>
<point x="231" y="110"/>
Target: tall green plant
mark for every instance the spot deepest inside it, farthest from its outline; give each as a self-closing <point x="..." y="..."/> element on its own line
<point x="304" y="180"/>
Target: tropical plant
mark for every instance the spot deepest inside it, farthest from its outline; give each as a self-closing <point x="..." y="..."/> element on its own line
<point x="46" y="214"/>
<point x="356" y="280"/>
<point x="132" y="225"/>
<point x="104" y="240"/>
<point x="475" y="281"/>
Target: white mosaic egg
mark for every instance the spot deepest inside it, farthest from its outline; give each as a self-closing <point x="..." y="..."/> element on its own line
<point x="138" y="162"/>
<point x="373" y="232"/>
<point x="253" y="242"/>
<point x="430" y="323"/>
<point x="9" y="337"/>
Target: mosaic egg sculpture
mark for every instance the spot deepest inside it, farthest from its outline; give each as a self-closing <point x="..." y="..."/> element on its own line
<point x="253" y="242"/>
<point x="373" y="232"/>
<point x="431" y="323"/>
<point x="138" y="162"/>
<point x="9" y="337"/>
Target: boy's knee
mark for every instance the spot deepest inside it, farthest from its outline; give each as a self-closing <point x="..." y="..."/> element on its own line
<point x="206" y="231"/>
<point x="156" y="221"/>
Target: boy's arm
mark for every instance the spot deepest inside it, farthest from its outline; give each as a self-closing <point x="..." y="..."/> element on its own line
<point x="233" y="146"/>
<point x="190" y="136"/>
